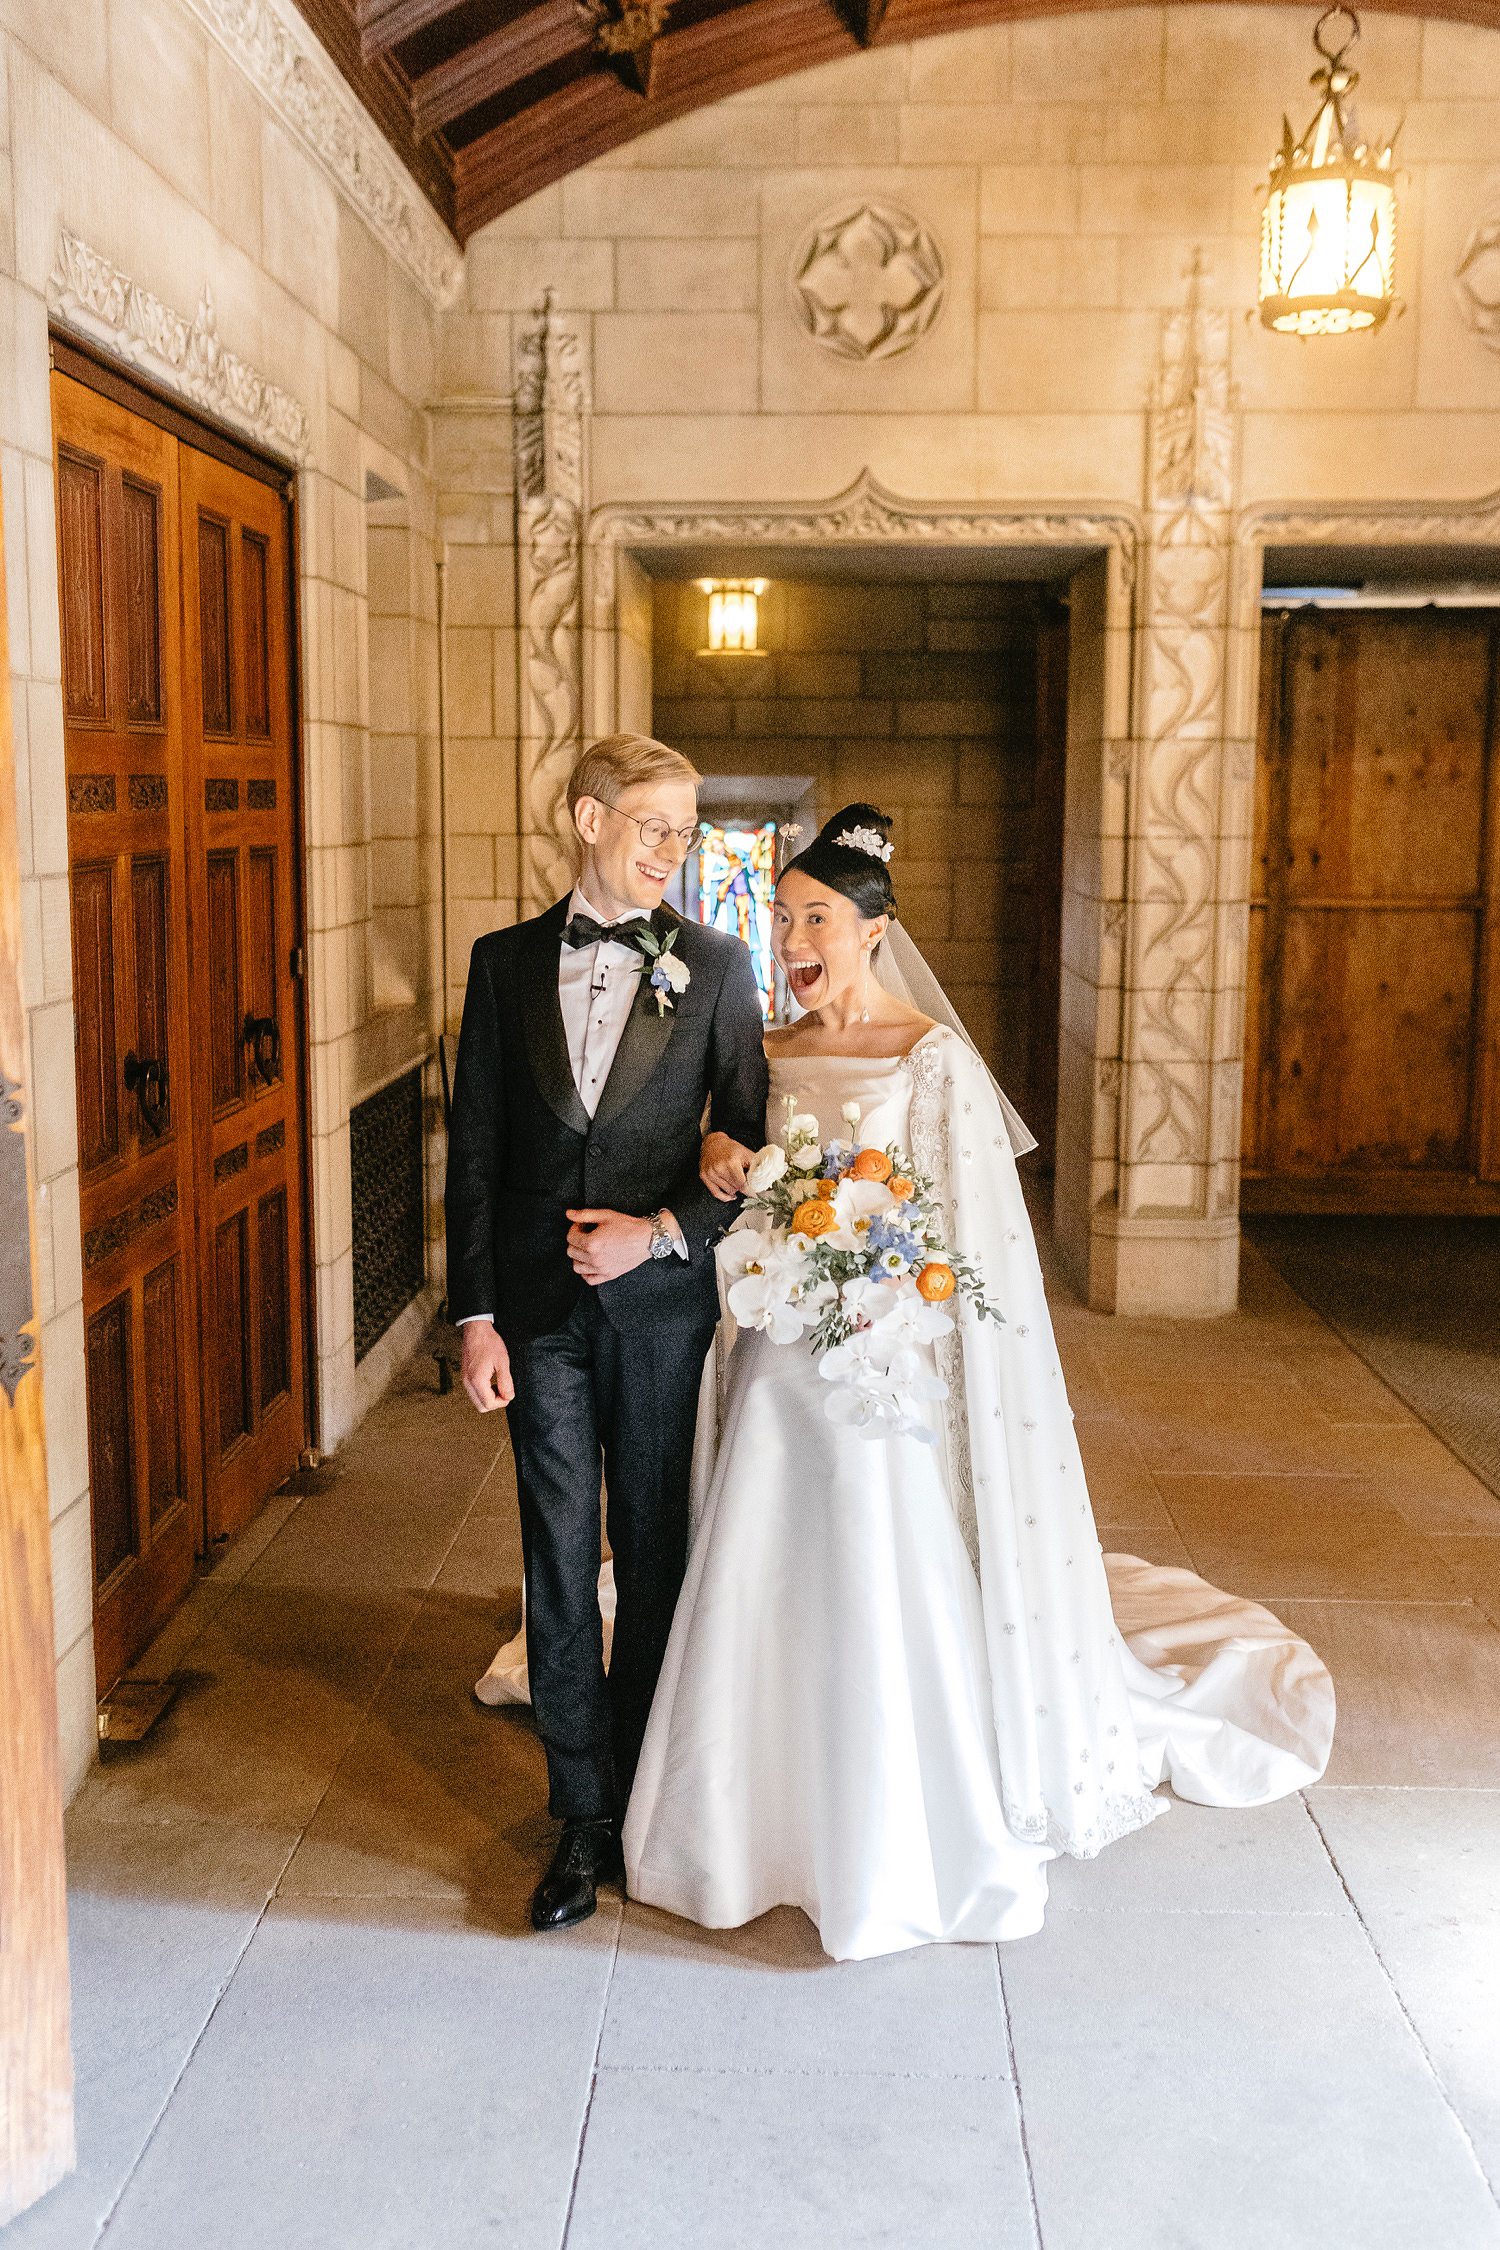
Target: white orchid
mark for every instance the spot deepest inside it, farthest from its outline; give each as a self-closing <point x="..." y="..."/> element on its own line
<point x="855" y="1204"/>
<point x="766" y="1168"/>
<point x="765" y="1280"/>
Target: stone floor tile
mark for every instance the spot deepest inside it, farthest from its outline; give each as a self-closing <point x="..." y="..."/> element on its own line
<point x="1225" y="2082"/>
<point x="1121" y="1487"/>
<point x="484" y="1559"/>
<point x="1418" y="1687"/>
<point x="1269" y="1427"/>
<point x="372" y="2079"/>
<point x="1342" y="1386"/>
<point x="1089" y="1392"/>
<point x="158" y="1915"/>
<point x="1268" y="1299"/>
<point x="1131" y="1351"/>
<point x="432" y="1806"/>
<point x="1152" y="1543"/>
<point x="1199" y="1859"/>
<point x="699" y="2160"/>
<point x="767" y="1998"/>
<point x="1273" y="1538"/>
<point x="1420" y="1866"/>
<point x="1473" y="1563"/>
<point x="1419" y="1476"/>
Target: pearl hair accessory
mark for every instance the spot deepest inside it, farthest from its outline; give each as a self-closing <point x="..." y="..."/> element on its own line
<point x="865" y="840"/>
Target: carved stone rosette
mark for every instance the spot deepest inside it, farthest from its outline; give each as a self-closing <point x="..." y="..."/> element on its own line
<point x="1168" y="1130"/>
<point x="550" y="413"/>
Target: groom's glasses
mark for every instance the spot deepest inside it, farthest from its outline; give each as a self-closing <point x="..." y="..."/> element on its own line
<point x="654" y="830"/>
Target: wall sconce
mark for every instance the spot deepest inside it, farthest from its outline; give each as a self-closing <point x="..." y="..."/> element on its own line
<point x="733" y="613"/>
<point x="1328" y="232"/>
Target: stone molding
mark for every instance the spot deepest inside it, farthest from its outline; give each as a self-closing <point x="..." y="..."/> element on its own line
<point x="550" y="425"/>
<point x="865" y="512"/>
<point x="288" y="68"/>
<point x="1418" y="523"/>
<point x="1166" y="1129"/>
<point x="97" y="300"/>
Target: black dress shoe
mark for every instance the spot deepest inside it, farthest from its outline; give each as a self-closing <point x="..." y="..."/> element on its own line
<point x="588" y="1853"/>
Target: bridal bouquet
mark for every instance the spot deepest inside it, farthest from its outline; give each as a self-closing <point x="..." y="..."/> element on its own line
<point x="845" y="1242"/>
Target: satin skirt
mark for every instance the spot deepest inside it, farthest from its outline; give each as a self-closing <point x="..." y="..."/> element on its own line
<point x="823" y="1733"/>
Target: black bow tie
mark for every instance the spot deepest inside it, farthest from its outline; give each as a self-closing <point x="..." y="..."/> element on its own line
<point x="582" y="929"/>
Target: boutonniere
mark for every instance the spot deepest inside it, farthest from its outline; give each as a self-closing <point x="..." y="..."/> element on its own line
<point x="668" y="974"/>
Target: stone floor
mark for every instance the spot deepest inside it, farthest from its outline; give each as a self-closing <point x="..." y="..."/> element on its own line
<point x="308" y="2010"/>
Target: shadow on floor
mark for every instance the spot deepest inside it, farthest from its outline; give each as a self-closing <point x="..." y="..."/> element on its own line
<point x="1419" y="1300"/>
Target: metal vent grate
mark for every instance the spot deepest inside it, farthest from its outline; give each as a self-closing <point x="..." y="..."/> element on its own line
<point x="385" y="1162"/>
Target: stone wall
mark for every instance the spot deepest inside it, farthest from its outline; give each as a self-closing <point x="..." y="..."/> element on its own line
<point x="920" y="699"/>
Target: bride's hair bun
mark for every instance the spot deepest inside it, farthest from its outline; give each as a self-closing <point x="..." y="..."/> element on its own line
<point x="858" y="871"/>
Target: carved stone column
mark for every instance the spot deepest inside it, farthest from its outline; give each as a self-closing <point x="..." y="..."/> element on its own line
<point x="1172" y="1239"/>
<point x="551" y="433"/>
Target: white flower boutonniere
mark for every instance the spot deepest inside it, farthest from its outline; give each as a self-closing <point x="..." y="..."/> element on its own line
<point x="669" y="975"/>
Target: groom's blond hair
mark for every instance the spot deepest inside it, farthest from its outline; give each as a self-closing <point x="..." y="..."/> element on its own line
<point x="620" y="761"/>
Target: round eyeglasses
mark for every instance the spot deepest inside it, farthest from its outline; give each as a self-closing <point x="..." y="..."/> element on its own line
<point x="654" y="830"/>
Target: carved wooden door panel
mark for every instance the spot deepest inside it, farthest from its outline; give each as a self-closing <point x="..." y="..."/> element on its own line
<point x="237" y="763"/>
<point x="1371" y="1032"/>
<point x="117" y="528"/>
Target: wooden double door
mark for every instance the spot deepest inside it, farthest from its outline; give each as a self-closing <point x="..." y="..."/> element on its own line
<point x="175" y="600"/>
<point x="1372" y="1055"/>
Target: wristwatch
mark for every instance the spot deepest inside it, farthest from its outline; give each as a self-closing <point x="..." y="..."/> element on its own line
<point x="662" y="1244"/>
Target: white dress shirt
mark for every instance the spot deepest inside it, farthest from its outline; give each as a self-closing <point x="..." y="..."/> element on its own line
<point x="597" y="985"/>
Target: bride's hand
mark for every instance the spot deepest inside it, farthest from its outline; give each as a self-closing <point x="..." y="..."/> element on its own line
<point x="724" y="1166"/>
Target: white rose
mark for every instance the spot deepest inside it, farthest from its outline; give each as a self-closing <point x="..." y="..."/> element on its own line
<point x="766" y="1169"/>
<point x="677" y="973"/>
<point x="851" y="1114"/>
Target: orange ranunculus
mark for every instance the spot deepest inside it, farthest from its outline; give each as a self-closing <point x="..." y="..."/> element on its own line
<point x="814" y="1217"/>
<point x="936" y="1282"/>
<point x="827" y="1189"/>
<point x="901" y="1189"/>
<point x="871" y="1164"/>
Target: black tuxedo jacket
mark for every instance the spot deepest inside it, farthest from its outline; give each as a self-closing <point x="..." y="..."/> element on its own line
<point x="522" y="1149"/>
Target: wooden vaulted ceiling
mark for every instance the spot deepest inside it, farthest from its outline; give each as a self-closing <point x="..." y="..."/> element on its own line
<point x="486" y="101"/>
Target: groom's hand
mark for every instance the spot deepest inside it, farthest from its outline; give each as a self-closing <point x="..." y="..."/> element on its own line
<point x="724" y="1166"/>
<point x="486" y="1368"/>
<point x="605" y="1244"/>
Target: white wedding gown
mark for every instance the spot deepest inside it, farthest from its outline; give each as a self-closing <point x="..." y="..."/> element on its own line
<point x="896" y="1684"/>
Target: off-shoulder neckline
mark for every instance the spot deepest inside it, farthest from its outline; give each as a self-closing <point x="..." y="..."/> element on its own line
<point x="938" y="1031"/>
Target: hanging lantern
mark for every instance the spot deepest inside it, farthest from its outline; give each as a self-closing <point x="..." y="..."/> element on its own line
<point x="733" y="612"/>
<point x="1328" y="233"/>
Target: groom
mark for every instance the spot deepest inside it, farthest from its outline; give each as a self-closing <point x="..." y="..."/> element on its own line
<point x="580" y="1258"/>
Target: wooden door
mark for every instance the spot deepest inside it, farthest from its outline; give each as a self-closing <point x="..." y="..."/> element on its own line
<point x="122" y="714"/>
<point x="1371" y="1036"/>
<point x="237" y="765"/>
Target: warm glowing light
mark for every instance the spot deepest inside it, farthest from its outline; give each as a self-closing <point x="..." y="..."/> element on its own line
<point x="733" y="611"/>
<point x="1328" y="233"/>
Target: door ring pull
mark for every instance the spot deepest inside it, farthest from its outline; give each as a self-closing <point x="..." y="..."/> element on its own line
<point x="147" y="1080"/>
<point x="260" y="1033"/>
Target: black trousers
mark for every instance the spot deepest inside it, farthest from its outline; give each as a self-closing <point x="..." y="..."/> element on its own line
<point x="588" y="1396"/>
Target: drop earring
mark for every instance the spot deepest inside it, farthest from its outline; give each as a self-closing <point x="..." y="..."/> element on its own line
<point x="864" y="1013"/>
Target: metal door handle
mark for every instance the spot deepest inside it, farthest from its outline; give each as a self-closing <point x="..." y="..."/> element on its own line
<point x="147" y="1080"/>
<point x="262" y="1032"/>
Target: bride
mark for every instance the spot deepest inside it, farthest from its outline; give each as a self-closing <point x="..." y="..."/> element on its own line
<point x="901" y="1677"/>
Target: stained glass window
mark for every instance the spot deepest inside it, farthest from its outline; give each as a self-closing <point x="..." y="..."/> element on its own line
<point x="736" y="883"/>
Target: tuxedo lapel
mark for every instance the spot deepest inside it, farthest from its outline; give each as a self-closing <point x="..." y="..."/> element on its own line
<point x="643" y="1042"/>
<point x="541" y="1019"/>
